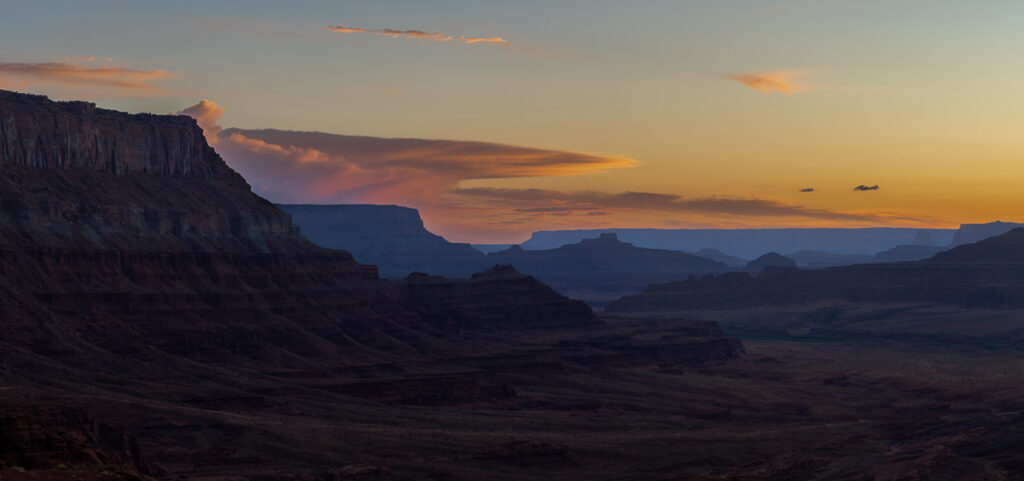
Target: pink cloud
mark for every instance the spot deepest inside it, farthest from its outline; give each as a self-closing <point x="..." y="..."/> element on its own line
<point x="770" y="82"/>
<point x="64" y="73"/>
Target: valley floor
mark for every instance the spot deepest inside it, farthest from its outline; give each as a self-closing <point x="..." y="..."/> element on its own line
<point x="565" y="405"/>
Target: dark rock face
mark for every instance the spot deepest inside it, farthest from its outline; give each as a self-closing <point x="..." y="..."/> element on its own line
<point x="989" y="273"/>
<point x="489" y="300"/>
<point x="391" y="237"/>
<point x="38" y="133"/>
<point x="601" y="269"/>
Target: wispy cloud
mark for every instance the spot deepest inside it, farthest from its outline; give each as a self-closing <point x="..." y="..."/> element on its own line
<point x="865" y="188"/>
<point x="418" y="34"/>
<point x="770" y="82"/>
<point x="72" y="74"/>
<point x="647" y="201"/>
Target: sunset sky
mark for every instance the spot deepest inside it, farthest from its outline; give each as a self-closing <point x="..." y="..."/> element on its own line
<point x="571" y="113"/>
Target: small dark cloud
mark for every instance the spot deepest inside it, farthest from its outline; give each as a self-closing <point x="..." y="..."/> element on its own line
<point x="864" y="188"/>
<point x="807" y="189"/>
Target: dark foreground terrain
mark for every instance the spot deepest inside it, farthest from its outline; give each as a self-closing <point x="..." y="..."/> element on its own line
<point x="542" y="405"/>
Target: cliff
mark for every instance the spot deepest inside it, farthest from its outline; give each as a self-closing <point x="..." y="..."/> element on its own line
<point x="391" y="237"/>
<point x="39" y="133"/>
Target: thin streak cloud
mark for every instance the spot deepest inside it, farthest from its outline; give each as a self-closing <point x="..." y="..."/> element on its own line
<point x="417" y="34"/>
<point x="647" y="201"/>
<point x="770" y="82"/>
<point x="110" y="76"/>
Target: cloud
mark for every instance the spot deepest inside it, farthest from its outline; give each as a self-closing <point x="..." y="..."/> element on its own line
<point x="419" y="34"/>
<point x="647" y="201"/>
<point x="769" y="82"/>
<point x="206" y="114"/>
<point x="326" y="168"/>
<point x="65" y="73"/>
<point x="864" y="188"/>
<point x="807" y="189"/>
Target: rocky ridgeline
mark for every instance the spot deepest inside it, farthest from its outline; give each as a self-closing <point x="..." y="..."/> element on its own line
<point x="36" y="132"/>
<point x="988" y="274"/>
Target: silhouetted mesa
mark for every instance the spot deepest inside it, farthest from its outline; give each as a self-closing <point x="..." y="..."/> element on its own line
<point x="391" y="237"/>
<point x="989" y="274"/>
<point x="970" y="233"/>
<point x="601" y="269"/>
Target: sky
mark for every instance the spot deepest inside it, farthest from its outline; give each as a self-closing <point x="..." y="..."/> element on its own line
<point x="497" y="119"/>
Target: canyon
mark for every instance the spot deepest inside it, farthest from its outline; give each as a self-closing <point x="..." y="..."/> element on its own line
<point x="160" y="321"/>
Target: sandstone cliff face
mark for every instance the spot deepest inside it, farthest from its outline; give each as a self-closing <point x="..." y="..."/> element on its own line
<point x="75" y="176"/>
<point x="36" y="132"/>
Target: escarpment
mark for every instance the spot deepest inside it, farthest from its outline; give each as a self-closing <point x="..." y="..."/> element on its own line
<point x="36" y="132"/>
